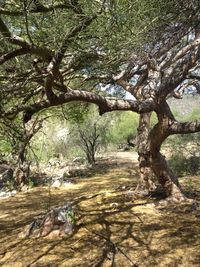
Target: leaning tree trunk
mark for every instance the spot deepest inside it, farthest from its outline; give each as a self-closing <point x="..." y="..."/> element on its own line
<point x="167" y="178"/>
<point x="164" y="174"/>
<point x="151" y="162"/>
<point x="157" y="136"/>
<point x="145" y="185"/>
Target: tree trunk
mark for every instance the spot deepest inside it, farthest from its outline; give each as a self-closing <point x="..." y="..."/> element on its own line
<point x="146" y="185"/>
<point x="166" y="177"/>
<point x="151" y="162"/>
<point x="90" y="157"/>
<point x="22" y="153"/>
<point x="164" y="174"/>
<point x="22" y="169"/>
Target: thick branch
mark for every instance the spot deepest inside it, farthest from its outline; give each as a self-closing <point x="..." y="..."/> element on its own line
<point x="170" y="42"/>
<point x="69" y="38"/>
<point x="13" y="54"/>
<point x="53" y="68"/>
<point x="105" y="104"/>
<point x="185" y="127"/>
<point x="178" y="73"/>
<point x="42" y="52"/>
<point x="185" y="49"/>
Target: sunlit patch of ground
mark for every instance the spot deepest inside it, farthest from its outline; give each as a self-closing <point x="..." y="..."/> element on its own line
<point x="112" y="229"/>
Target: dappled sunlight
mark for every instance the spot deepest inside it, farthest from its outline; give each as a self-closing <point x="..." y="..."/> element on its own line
<point x="99" y="133"/>
<point x="111" y="226"/>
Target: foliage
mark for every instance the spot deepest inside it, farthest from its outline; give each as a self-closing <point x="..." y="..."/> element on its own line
<point x="30" y="182"/>
<point x="61" y="134"/>
<point x="184" y="112"/>
<point x="125" y="126"/>
<point x="5" y="147"/>
<point x="51" y="140"/>
<point x="154" y="119"/>
<point x="185" y="166"/>
<point x="70" y="215"/>
<point x="120" y="31"/>
<point x="12" y="134"/>
<point x="185" y="159"/>
<point x="91" y="133"/>
<point x="75" y="112"/>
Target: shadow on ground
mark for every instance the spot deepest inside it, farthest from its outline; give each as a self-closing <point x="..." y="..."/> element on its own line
<point x="112" y="229"/>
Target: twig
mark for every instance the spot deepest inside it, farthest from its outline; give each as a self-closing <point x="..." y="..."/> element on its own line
<point x="26" y="22"/>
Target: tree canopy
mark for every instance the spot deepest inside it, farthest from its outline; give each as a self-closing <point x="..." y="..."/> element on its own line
<point x="55" y="53"/>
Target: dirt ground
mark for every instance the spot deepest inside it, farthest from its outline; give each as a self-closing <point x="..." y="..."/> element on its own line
<point x="112" y="228"/>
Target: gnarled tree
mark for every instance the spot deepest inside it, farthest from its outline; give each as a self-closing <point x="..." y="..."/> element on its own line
<point x="68" y="50"/>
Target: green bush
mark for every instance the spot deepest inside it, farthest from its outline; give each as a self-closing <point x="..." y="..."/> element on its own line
<point x="184" y="166"/>
<point x="194" y="165"/>
<point x="124" y="126"/>
<point x="31" y="182"/>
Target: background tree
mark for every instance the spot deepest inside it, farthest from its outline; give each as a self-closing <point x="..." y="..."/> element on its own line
<point x="124" y="129"/>
<point x="91" y="134"/>
<point x="16" y="138"/>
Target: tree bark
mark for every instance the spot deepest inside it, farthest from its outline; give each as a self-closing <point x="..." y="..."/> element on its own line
<point x="90" y="157"/>
<point x="164" y="174"/>
<point x="166" y="177"/>
<point x="151" y="162"/>
<point x="146" y="185"/>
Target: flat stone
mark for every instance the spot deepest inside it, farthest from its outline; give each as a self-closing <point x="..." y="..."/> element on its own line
<point x="56" y="183"/>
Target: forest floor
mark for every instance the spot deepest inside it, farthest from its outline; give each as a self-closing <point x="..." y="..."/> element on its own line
<point x="112" y="228"/>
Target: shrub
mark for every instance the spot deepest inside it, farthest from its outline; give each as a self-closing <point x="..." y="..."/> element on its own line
<point x="184" y="166"/>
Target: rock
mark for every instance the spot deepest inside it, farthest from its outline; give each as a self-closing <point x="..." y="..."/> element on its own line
<point x="78" y="171"/>
<point x="53" y="162"/>
<point x="48" y="224"/>
<point x="114" y="205"/>
<point x="78" y="160"/>
<point x="14" y="192"/>
<point x="66" y="172"/>
<point x="7" y="194"/>
<point x="56" y="183"/>
<point x="24" y="188"/>
<point x="66" y="184"/>
<point x="3" y="194"/>
<point x="197" y="154"/>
